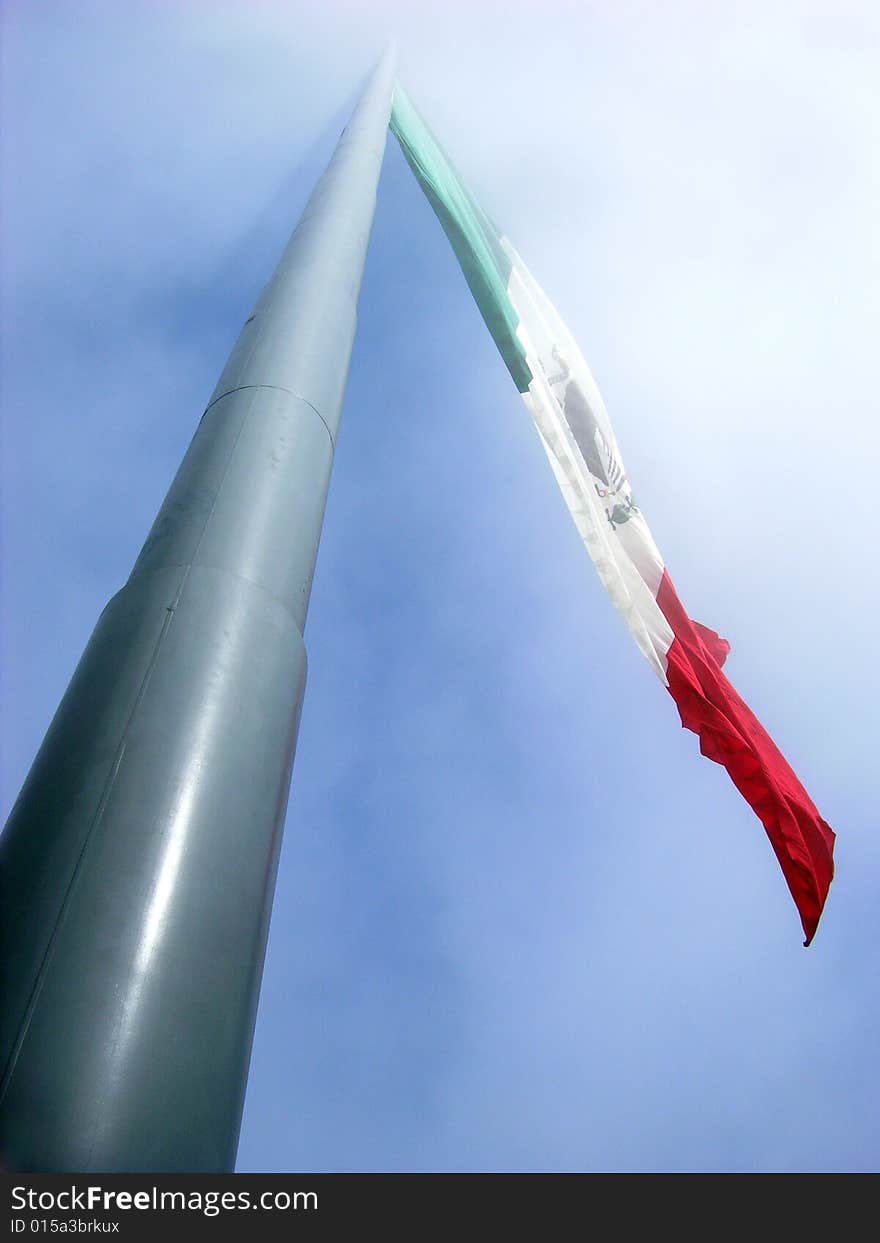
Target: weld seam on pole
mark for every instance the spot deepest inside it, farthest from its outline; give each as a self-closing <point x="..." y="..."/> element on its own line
<point x="222" y="569"/>
<point x="281" y="389"/>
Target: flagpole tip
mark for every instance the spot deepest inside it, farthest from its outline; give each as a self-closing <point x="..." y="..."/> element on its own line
<point x="388" y="59"/>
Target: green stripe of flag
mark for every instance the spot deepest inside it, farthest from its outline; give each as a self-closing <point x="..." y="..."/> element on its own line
<point x="472" y="235"/>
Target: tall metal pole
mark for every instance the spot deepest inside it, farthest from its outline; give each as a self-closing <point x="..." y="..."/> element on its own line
<point x="139" y="860"/>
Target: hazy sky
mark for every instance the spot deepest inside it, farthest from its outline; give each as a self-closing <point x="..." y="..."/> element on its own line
<point x="520" y="923"/>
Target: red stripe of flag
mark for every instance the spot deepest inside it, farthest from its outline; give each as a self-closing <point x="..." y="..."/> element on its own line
<point x="731" y="734"/>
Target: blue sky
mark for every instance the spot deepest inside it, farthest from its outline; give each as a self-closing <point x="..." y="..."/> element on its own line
<point x="520" y="923"/>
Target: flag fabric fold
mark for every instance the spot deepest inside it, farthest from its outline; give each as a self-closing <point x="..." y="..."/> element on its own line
<point x="562" y="398"/>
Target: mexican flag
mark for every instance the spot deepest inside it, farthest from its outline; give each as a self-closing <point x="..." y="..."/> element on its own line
<point x="562" y="398"/>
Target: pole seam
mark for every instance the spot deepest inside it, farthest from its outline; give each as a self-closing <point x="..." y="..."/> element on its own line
<point x="281" y="389"/>
<point x="222" y="569"/>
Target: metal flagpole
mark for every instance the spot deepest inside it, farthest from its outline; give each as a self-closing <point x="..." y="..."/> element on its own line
<point x="139" y="860"/>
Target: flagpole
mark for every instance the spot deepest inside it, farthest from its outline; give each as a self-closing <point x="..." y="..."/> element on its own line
<point x="139" y="860"/>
